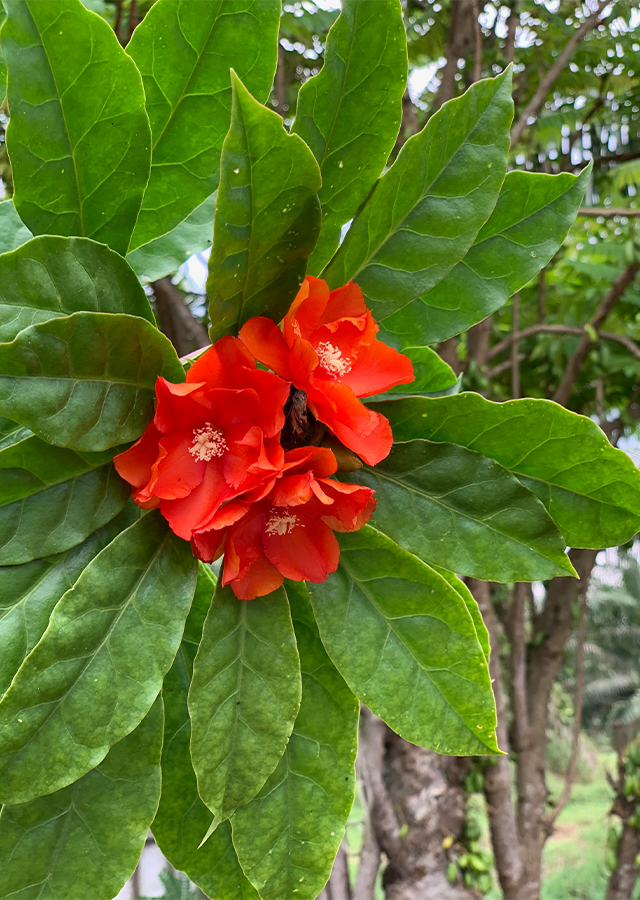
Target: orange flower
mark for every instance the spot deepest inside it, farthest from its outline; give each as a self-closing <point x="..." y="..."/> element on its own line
<point x="213" y="438"/>
<point x="288" y="534"/>
<point x="328" y="349"/>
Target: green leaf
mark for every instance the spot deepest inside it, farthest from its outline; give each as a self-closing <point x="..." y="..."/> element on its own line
<point x="60" y="516"/>
<point x="529" y="223"/>
<point x="54" y="276"/>
<point x="85" y="840"/>
<point x="85" y="381"/>
<point x="244" y="697"/>
<point x="432" y="374"/>
<point x="182" y="819"/>
<point x="267" y="217"/>
<point x="350" y="113"/>
<point x="426" y="210"/>
<point x="591" y="490"/>
<point x="99" y="666"/>
<point x="405" y="642"/>
<point x="28" y="593"/>
<point x="166" y="254"/>
<point x="13" y="231"/>
<point x="78" y="138"/>
<point x="288" y="836"/>
<point x="456" y="508"/>
<point x="184" y="51"/>
<point x="472" y="607"/>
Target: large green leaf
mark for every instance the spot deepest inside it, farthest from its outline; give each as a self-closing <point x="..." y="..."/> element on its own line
<point x="183" y="820"/>
<point x="99" y="665"/>
<point x="244" y="697"/>
<point x="28" y="593"/>
<point x="531" y="219"/>
<point x="60" y="516"/>
<point x="349" y="114"/>
<point x="55" y="276"/>
<point x="457" y="509"/>
<point x="13" y="231"/>
<point x="85" y="381"/>
<point x="432" y="375"/>
<point x="403" y="639"/>
<point x="184" y="51"/>
<point x="166" y="254"/>
<point x="426" y="210"/>
<point x="472" y="607"/>
<point x="79" y="138"/>
<point x="85" y="840"/>
<point x="267" y="217"/>
<point x="591" y="490"/>
<point x="288" y="836"/>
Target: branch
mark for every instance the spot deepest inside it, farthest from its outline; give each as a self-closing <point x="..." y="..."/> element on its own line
<point x="515" y="359"/>
<point x="512" y="24"/>
<point x="626" y="342"/>
<point x="183" y="330"/>
<point x="605" y="306"/>
<point x="339" y="885"/>
<point x="535" y="104"/>
<point x="577" y="722"/>
<point x="518" y="667"/>
<point x="608" y="212"/>
<point x="364" y="886"/>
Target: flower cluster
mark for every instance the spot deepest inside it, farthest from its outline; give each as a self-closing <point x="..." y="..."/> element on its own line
<point x="234" y="457"/>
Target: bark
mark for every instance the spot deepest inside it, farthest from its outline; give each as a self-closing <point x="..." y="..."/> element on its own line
<point x="338" y="887"/>
<point x="631" y="346"/>
<point x="609" y="212"/>
<point x="461" y="42"/>
<point x="183" y="330"/>
<point x="623" y="878"/>
<point x="574" y="366"/>
<point x="552" y="628"/>
<point x="426" y="790"/>
<point x="478" y="340"/>
<point x="546" y="83"/>
<point x="512" y="24"/>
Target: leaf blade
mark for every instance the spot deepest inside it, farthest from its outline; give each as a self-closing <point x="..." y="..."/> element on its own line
<point x="128" y="626"/>
<point x="85" y="840"/>
<point x="531" y="219"/>
<point x="421" y="667"/>
<point x="301" y="812"/>
<point x="349" y="113"/>
<point x="89" y="101"/>
<point x="85" y="381"/>
<point x="244" y="696"/>
<point x="456" y="508"/>
<point x="184" y="53"/>
<point x="427" y="209"/>
<point x="259" y="254"/>
<point x="49" y="276"/>
<point x="591" y="489"/>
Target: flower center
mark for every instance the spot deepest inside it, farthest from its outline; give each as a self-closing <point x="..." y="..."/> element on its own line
<point x="281" y="521"/>
<point x="332" y="360"/>
<point x="207" y="443"/>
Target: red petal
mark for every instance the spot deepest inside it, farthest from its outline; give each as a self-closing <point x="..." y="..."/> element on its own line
<point x="365" y="432"/>
<point x="134" y="465"/>
<point x="352" y="506"/>
<point x="244" y="543"/>
<point x="190" y="514"/>
<point x="214" y="366"/>
<point x="345" y="302"/>
<point x="320" y="460"/>
<point x="180" y="407"/>
<point x="377" y="368"/>
<point x="264" y="339"/>
<point x="260" y="578"/>
<point x="273" y="393"/>
<point x="209" y="545"/>
<point x="309" y="552"/>
<point x="177" y="472"/>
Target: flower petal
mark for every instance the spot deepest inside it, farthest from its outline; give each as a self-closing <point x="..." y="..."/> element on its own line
<point x="377" y="368"/>
<point x="307" y="552"/>
<point x="265" y="341"/>
<point x="177" y="472"/>
<point x="192" y="513"/>
<point x="215" y="364"/>
<point x="134" y="465"/>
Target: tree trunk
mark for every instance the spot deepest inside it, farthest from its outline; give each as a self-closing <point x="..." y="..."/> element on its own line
<point x="623" y="878"/>
<point x="427" y="794"/>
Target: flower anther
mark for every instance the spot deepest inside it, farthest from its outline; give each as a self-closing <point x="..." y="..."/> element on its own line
<point x="207" y="443"/>
<point x="281" y="522"/>
<point x="332" y="360"/>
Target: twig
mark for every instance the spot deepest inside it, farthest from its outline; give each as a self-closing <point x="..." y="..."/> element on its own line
<point x="339" y="886"/>
<point x="605" y="306"/>
<point x="515" y="361"/>
<point x="542" y="294"/>
<point x="608" y="212"/>
<point x="534" y="105"/>
<point x="497" y="349"/>
<point x="518" y="666"/>
<point x="570" y="777"/>
<point x="512" y="24"/>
